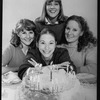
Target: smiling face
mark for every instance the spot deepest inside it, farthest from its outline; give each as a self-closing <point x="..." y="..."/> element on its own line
<point x="47" y="45"/>
<point x="73" y="31"/>
<point x="26" y="37"/>
<point x="53" y="9"/>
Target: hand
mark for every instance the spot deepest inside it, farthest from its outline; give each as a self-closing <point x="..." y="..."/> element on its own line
<point x="34" y="63"/>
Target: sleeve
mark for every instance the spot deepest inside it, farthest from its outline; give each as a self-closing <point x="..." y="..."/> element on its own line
<point x="26" y="64"/>
<point x="90" y="62"/>
<point x="64" y="57"/>
<point x="7" y="55"/>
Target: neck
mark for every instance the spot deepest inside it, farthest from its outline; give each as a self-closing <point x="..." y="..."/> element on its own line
<point x="46" y="59"/>
<point x="52" y="20"/>
<point x="24" y="48"/>
<point x="73" y="44"/>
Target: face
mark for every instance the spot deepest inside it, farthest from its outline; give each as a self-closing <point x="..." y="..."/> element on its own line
<point x="72" y="31"/>
<point x="26" y="37"/>
<point x="53" y="9"/>
<point x="47" y="45"/>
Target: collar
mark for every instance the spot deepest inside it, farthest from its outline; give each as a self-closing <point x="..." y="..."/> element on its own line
<point x="48" y="22"/>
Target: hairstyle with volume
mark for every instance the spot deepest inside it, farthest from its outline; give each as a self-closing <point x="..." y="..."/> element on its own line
<point x="87" y="38"/>
<point x="61" y="16"/>
<point x="20" y="26"/>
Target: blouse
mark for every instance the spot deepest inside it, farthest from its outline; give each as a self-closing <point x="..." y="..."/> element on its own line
<point x="85" y="60"/>
<point x="12" y="57"/>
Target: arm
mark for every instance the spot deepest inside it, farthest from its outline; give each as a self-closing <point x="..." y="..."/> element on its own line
<point x="90" y="65"/>
<point x="6" y="57"/>
<point x="23" y="68"/>
<point x="64" y="58"/>
<point x="6" y="69"/>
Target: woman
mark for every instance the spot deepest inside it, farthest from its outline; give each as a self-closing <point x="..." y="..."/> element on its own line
<point x="81" y="44"/>
<point x="45" y="53"/>
<point x="23" y="38"/>
<point x="52" y="17"/>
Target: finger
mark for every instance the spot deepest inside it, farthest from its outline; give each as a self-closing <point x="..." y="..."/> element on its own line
<point x="31" y="62"/>
<point x="34" y="61"/>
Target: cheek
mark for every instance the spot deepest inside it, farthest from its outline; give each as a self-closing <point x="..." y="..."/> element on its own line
<point x="41" y="47"/>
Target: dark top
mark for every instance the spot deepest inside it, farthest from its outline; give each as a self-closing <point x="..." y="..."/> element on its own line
<point x="60" y="55"/>
<point x="59" y="29"/>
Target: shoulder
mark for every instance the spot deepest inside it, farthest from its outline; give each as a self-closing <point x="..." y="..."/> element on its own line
<point x="37" y="19"/>
<point x="90" y="48"/>
<point x="9" y="47"/>
<point x="33" y="51"/>
<point x="61" y="50"/>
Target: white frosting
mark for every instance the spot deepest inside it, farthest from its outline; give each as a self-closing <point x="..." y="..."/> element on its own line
<point x="54" y="80"/>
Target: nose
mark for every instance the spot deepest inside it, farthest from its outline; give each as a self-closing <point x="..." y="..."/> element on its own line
<point x="27" y="35"/>
<point x="46" y="47"/>
<point x="68" y="32"/>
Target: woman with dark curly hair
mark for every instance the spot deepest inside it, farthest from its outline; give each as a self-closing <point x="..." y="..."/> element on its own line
<point x="52" y="17"/>
<point x="23" y="38"/>
<point x="81" y="44"/>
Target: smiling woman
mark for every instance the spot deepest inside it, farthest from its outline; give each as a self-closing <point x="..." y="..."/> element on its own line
<point x="46" y="53"/>
<point x="23" y="38"/>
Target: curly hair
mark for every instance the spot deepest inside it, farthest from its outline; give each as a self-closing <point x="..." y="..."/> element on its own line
<point x="44" y="14"/>
<point x="20" y="26"/>
<point x="87" y="38"/>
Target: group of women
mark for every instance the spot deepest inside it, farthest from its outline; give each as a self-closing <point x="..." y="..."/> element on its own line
<point x="53" y="37"/>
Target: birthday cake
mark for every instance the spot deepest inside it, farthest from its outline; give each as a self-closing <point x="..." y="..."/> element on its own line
<point x="52" y="81"/>
<point x="47" y="84"/>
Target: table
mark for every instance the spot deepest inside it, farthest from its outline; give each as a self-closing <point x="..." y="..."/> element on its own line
<point x="85" y="92"/>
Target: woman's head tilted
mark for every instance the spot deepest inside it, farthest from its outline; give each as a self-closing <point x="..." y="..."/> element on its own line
<point x="77" y="32"/>
<point x="24" y="33"/>
<point x="52" y="9"/>
<point x="46" y="42"/>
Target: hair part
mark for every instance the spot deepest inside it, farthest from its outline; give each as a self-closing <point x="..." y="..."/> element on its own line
<point x="87" y="38"/>
<point x="46" y="31"/>
<point x="60" y="17"/>
<point x="23" y="24"/>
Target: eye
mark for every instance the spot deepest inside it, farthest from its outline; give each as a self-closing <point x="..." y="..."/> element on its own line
<point x="23" y="32"/>
<point x="48" y="4"/>
<point x="74" y="29"/>
<point x="42" y="42"/>
<point x="67" y="28"/>
<point x="56" y="3"/>
<point x="31" y="32"/>
<point x="52" y="42"/>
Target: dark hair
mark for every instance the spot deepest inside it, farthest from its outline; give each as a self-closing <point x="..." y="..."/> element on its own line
<point x="61" y="16"/>
<point x="46" y="31"/>
<point x="20" y="26"/>
<point x="87" y="38"/>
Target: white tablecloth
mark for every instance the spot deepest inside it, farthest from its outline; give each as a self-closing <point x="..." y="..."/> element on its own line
<point x="84" y="92"/>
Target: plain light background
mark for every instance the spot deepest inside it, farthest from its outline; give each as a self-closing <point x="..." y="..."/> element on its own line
<point x="14" y="10"/>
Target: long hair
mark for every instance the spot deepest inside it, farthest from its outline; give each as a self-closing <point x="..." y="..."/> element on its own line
<point x="87" y="38"/>
<point x="60" y="17"/>
<point x="20" y="26"/>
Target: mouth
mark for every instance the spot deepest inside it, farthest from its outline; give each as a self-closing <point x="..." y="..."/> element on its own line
<point x="52" y="11"/>
<point x="28" y="40"/>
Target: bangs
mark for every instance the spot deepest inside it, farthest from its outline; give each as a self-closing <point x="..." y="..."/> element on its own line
<point x="49" y="1"/>
<point x="25" y="25"/>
